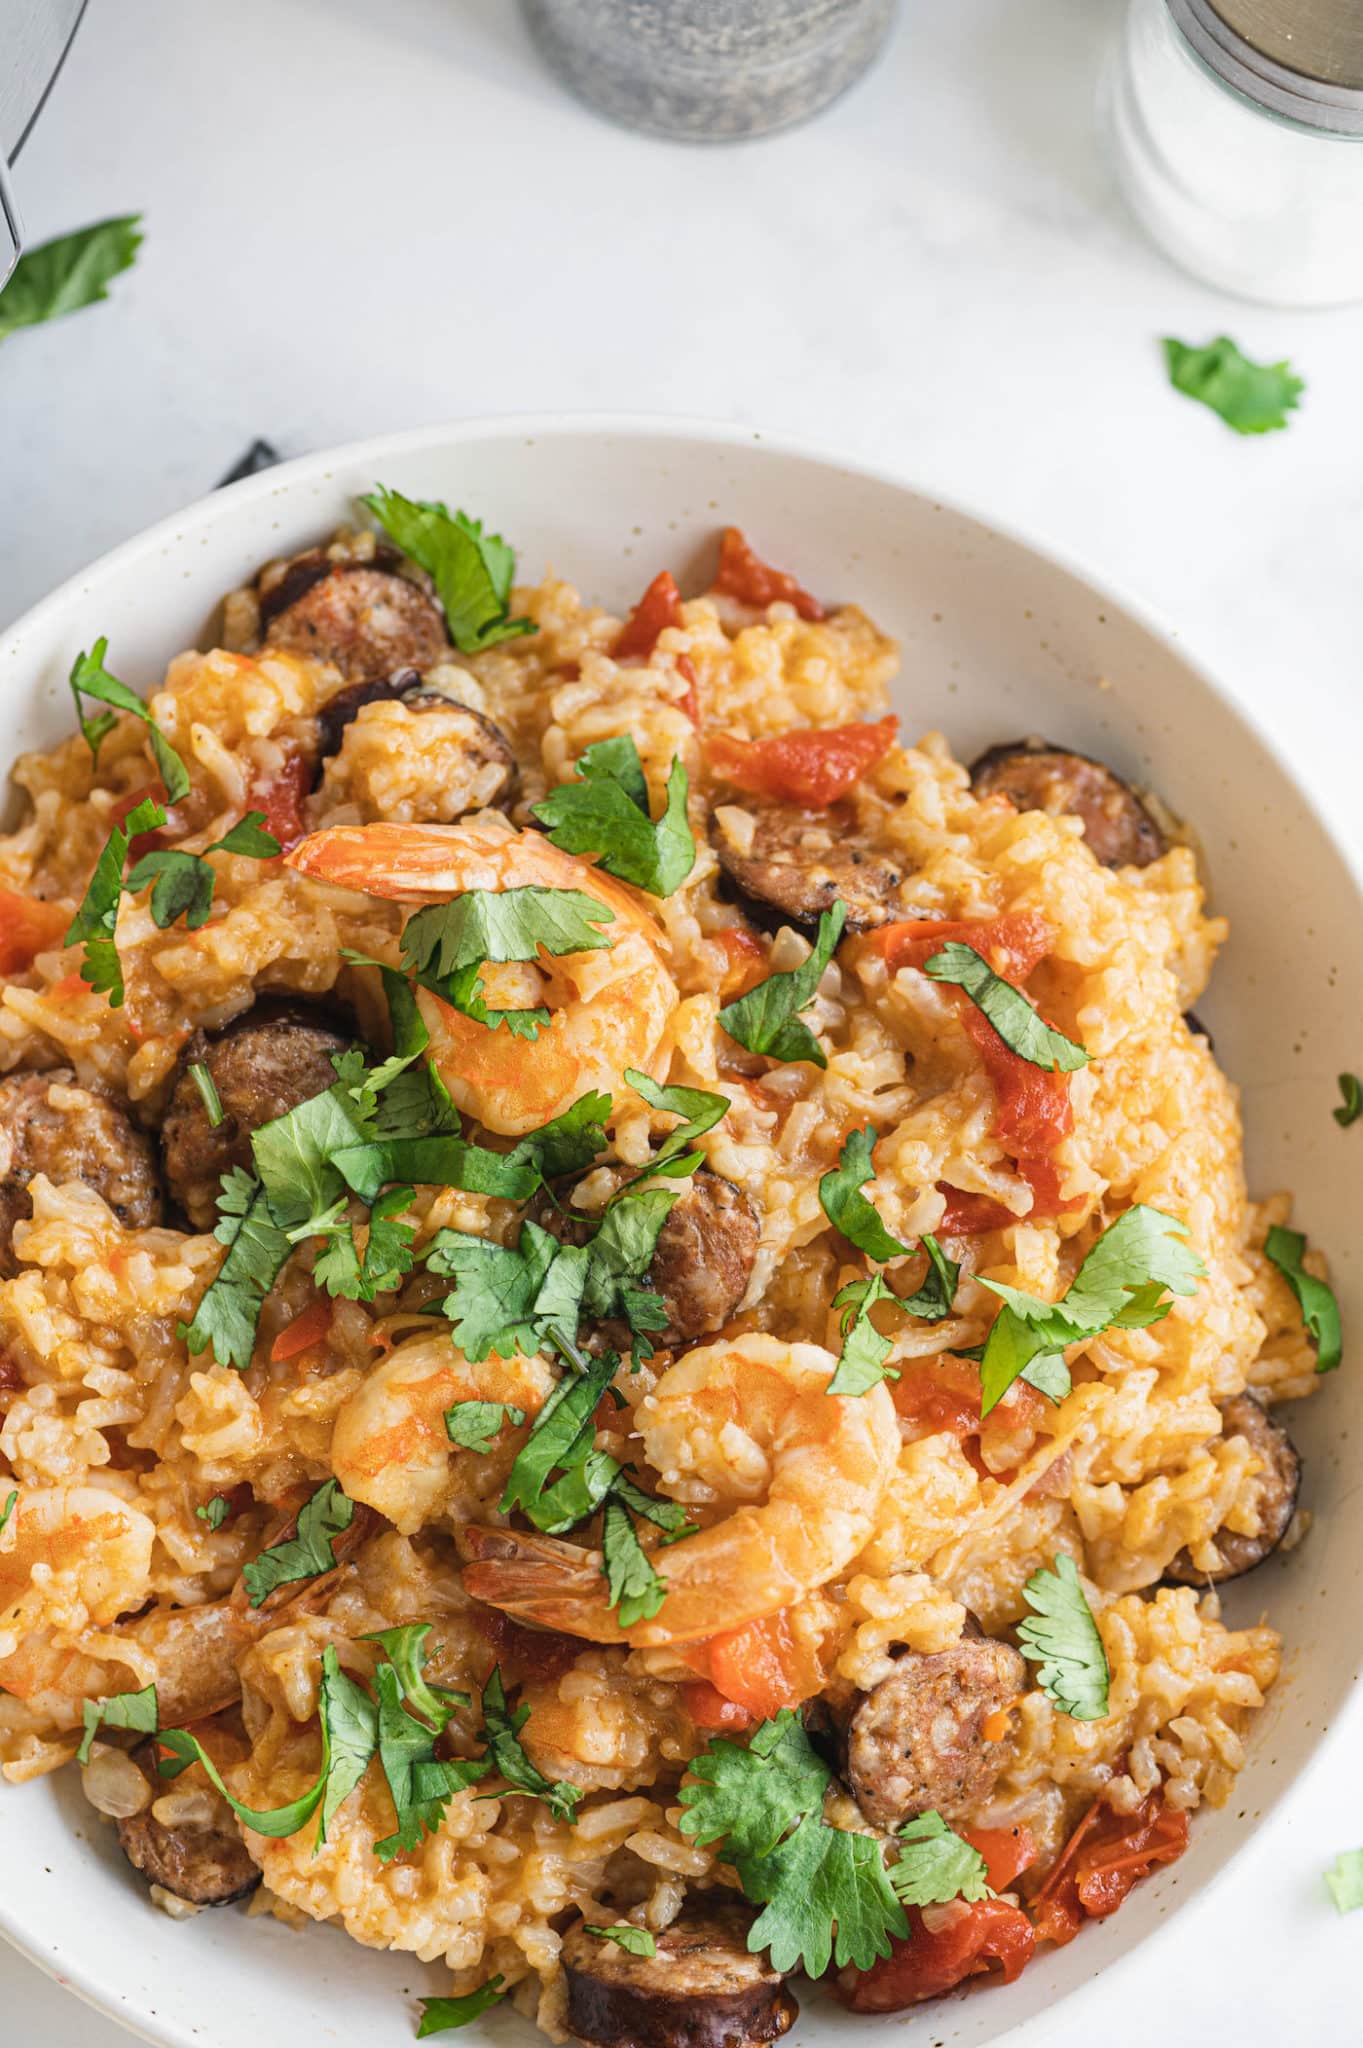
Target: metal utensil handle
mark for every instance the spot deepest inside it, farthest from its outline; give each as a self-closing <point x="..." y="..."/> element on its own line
<point x="11" y="227"/>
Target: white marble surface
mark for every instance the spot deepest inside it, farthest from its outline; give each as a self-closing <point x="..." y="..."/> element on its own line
<point x="368" y="216"/>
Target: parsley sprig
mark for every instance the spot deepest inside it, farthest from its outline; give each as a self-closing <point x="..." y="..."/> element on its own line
<point x="447" y="945"/>
<point x="1320" y="1311"/>
<point x="90" y="678"/>
<point x="1065" y="1642"/>
<point x="308" y="1553"/>
<point x="766" y="1020"/>
<point x="606" y="812"/>
<point x="1007" y="1009"/>
<point x="471" y="570"/>
<point x="864" y="1351"/>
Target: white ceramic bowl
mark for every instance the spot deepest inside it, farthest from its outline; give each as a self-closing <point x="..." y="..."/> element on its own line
<point x="998" y="640"/>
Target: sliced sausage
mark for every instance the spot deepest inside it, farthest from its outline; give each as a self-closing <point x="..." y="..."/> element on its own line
<point x="703" y="1989"/>
<point x="262" y="1064"/>
<point x="800" y="863"/>
<point x="207" y="1866"/>
<point x="49" y="1125"/>
<point x="916" y="1741"/>
<point x="364" y="617"/>
<point x="1278" y="1484"/>
<point x="1038" y="776"/>
<point x="485" y="762"/>
<point x="704" y="1255"/>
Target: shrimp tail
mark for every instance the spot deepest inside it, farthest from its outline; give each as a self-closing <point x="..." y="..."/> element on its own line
<point x="402" y="862"/>
<point x="540" y="1580"/>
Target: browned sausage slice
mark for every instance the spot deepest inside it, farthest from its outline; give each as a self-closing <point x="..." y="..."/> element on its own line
<point x="365" y="617"/>
<point x="800" y="863"/>
<point x="703" y="1989"/>
<point x="1278" y="1485"/>
<point x="486" y="769"/>
<point x="1038" y="776"/>
<point x="916" y="1741"/>
<point x="209" y="1866"/>
<point x="49" y="1125"/>
<point x="262" y="1064"/>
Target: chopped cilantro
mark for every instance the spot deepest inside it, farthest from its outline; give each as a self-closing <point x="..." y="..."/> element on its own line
<point x="307" y="1554"/>
<point x="1345" y="1881"/>
<point x="700" y="1109"/>
<point x="636" y="1590"/>
<point x="208" y="1091"/>
<point x="420" y="1784"/>
<point x="1064" y="1641"/>
<point x="447" y="945"/>
<point x="636" y="1941"/>
<point x="471" y="570"/>
<point x="182" y="883"/>
<point x="1007" y="1009"/>
<point x="90" y="678"/>
<point x="68" y="272"/>
<point x="96" y="921"/>
<point x="766" y="1020"/>
<point x="136" y="1710"/>
<point x="405" y="1649"/>
<point x="1320" y="1310"/>
<point x="562" y="1434"/>
<point x="225" y="1320"/>
<point x="387" y="1256"/>
<point x="861" y="1362"/>
<point x="937" y="1865"/>
<point x="502" y="1732"/>
<point x="1120" y="1285"/>
<point x="1351" y="1106"/>
<point x="495" y="1303"/>
<point x="606" y="813"/>
<point x="565" y="1144"/>
<point x="847" y="1208"/>
<point x="442" y="2015"/>
<point x="935" y="1298"/>
<point x="621" y="1252"/>
<point x="8" y="1509"/>
<point x="215" y="1511"/>
<point x="476" y="1425"/>
<point x="1254" y="398"/>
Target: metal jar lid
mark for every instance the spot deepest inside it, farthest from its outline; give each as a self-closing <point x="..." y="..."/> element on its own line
<point x="1302" y="59"/>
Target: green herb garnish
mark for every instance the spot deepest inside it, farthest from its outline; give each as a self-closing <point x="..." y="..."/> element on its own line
<point x="225" y="1320"/>
<point x="447" y="945"/>
<point x="1007" y="1009"/>
<point x="309" y="1553"/>
<point x="208" y="1092"/>
<point x="861" y="1362"/>
<point x="1319" y="1309"/>
<point x="937" y="1865"/>
<point x="471" y="570"/>
<point x="506" y="1755"/>
<point x="1351" y="1105"/>
<point x="766" y="1020"/>
<point x="606" y="812"/>
<point x="215" y="1511"/>
<point x="96" y="921"/>
<point x="476" y="1425"/>
<point x="636" y="1941"/>
<point x="442" y="2015"/>
<point x="847" y="1208"/>
<point x="1254" y="398"/>
<point x="182" y="883"/>
<point x="135" y="1710"/>
<point x="1064" y="1641"/>
<point x="8" y="1509"/>
<point x="90" y="678"/>
<point x="68" y="272"/>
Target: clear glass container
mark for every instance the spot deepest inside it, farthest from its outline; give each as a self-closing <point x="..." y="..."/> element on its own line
<point x="1266" y="206"/>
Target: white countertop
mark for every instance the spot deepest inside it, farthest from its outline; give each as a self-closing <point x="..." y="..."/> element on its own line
<point x="362" y="217"/>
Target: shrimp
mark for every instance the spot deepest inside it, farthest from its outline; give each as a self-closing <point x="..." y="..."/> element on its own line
<point x="610" y="1006"/>
<point x="73" y="1557"/>
<point x="390" y="1447"/>
<point x="748" y="1419"/>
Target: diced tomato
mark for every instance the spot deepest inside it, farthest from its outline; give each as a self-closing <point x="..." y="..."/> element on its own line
<point x="747" y="958"/>
<point x="745" y="576"/>
<point x="813" y="767"/>
<point x="970" y="1215"/>
<point x="27" y="927"/>
<point x="962" y="1941"/>
<point x="761" y="1666"/>
<point x="281" y="799"/>
<point x="1106" y="1855"/>
<point x="306" y="1329"/>
<point x="708" y="1707"/>
<point x="942" y="1395"/>
<point x="525" y="1653"/>
<point x="1007" y="1851"/>
<point x="659" y="607"/>
<point x="1014" y="945"/>
<point x="690" y="703"/>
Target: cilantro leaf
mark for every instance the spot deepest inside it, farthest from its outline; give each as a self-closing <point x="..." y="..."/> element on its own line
<point x="667" y="1515"/>
<point x="181" y="886"/>
<point x="1007" y="1009"/>
<point x="229" y="1311"/>
<point x="700" y="1109"/>
<point x="937" y="1865"/>
<point x="247" y="839"/>
<point x="446" y="945"/>
<point x="578" y="1493"/>
<point x="421" y="1784"/>
<point x="1351" y="1107"/>
<point x="935" y="1299"/>
<point x="90" y="678"/>
<point x="565" y="1144"/>
<point x="1320" y="1310"/>
<point x="387" y="1255"/>
<point x="606" y="813"/>
<point x="307" y="1554"/>
<point x="562" y="1434"/>
<point x="507" y="1757"/>
<point x="405" y="1649"/>
<point x="442" y="2015"/>
<point x="845" y="1206"/>
<point x="96" y="920"/>
<point x="68" y="272"/>
<point x="493" y="1305"/>
<point x="1254" y="398"/>
<point x="636" y="1591"/>
<point x="476" y="1425"/>
<point x="137" y="1710"/>
<point x="208" y="1092"/>
<point x="621" y="1251"/>
<point x="861" y="1362"/>
<point x="766" y="1019"/>
<point x="294" y="1155"/>
<point x="8" y="1509"/>
<point x="1064" y="1641"/>
<point x="636" y="1941"/>
<point x="751" y="1795"/>
<point x="1119" y="1285"/>
<point x="471" y="570"/>
<point x="820" y="1880"/>
<point x="215" y="1511"/>
<point x="1346" y="1881"/>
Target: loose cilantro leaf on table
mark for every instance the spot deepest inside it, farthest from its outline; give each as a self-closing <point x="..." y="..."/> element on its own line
<point x="1064" y="1641"/>
<point x="215" y="1511"/>
<point x="1351" y="1105"/>
<point x="96" y="920"/>
<point x="1320" y="1310"/>
<point x="471" y="570"/>
<point x="1007" y="1009"/>
<point x="861" y="1362"/>
<point x="1120" y="1285"/>
<point x="506" y="1755"/>
<point x="7" y="1509"/>
<point x="182" y="884"/>
<point x="1254" y="398"/>
<point x="766" y="1020"/>
<point x="937" y="1865"/>
<point x="136" y="1710"/>
<point x="442" y="2015"/>
<point x="1345" y="1881"/>
<point x="447" y="945"/>
<point x="68" y="272"/>
<point x="90" y="678"/>
<point x="847" y="1208"/>
<point x="476" y="1425"/>
<point x="636" y="1941"/>
<point x="307" y="1554"/>
<point x="606" y="813"/>
<point x="225" y="1320"/>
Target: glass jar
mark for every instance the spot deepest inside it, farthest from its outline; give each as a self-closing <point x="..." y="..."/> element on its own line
<point x="1243" y="168"/>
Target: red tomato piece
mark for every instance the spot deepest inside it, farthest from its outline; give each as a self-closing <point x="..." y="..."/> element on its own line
<point x="1106" y="1855"/>
<point x="1013" y="945"/>
<point x="309" y="1327"/>
<point x="281" y="799"/>
<point x="659" y="607"/>
<point x="760" y="1666"/>
<point x="942" y="1395"/>
<point x="525" y="1653"/>
<point x="747" y="958"/>
<point x="812" y="767"/>
<point x="745" y="576"/>
<point x="708" y="1707"/>
<point x="963" y="1941"/>
<point x="1007" y="1851"/>
<point x="690" y="703"/>
<point x="968" y="1215"/>
<point x="28" y="927"/>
